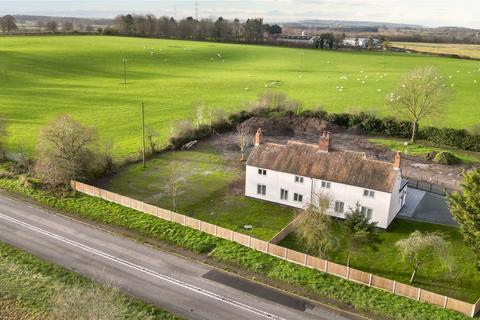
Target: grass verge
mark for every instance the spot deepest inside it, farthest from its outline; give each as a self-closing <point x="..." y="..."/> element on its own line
<point x="31" y="288"/>
<point x="365" y="299"/>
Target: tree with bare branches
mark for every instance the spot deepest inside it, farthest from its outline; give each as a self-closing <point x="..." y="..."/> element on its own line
<point x="244" y="138"/>
<point x="313" y="227"/>
<point x="68" y="150"/>
<point x="420" y="94"/>
<point x="420" y="248"/>
<point x="174" y="182"/>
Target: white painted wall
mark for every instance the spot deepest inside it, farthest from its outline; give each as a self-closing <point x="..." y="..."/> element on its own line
<point x="384" y="205"/>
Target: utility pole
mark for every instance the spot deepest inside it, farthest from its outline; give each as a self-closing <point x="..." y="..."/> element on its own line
<point x="196" y="10"/>
<point x="124" y="71"/>
<point x="143" y="136"/>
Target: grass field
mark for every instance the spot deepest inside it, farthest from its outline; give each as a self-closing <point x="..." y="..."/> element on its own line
<point x="205" y="191"/>
<point x="463" y="50"/>
<point x="83" y="76"/>
<point x="32" y="289"/>
<point x="421" y="148"/>
<point x="462" y="283"/>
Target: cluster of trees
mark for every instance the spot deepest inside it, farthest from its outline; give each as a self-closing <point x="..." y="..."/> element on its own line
<point x="8" y="23"/>
<point x="252" y="30"/>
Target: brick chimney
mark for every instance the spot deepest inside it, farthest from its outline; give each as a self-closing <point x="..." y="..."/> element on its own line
<point x="398" y="161"/>
<point x="324" y="143"/>
<point x="259" y="137"/>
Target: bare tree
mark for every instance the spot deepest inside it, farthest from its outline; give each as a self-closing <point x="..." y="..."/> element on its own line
<point x="92" y="302"/>
<point x="420" y="248"/>
<point x="68" y="150"/>
<point x="67" y="26"/>
<point x="174" y="182"/>
<point x="51" y="26"/>
<point x="244" y="138"/>
<point x="152" y="139"/>
<point x="419" y="95"/>
<point x="313" y="227"/>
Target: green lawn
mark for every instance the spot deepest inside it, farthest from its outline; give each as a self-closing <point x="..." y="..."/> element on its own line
<point x="30" y="286"/>
<point x="421" y="149"/>
<point x="43" y="76"/>
<point x="205" y="192"/>
<point x="463" y="283"/>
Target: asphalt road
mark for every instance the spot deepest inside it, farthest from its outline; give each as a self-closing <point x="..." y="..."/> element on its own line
<point x="189" y="289"/>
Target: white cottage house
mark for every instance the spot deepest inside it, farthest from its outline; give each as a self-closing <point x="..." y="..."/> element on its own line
<point x="296" y="174"/>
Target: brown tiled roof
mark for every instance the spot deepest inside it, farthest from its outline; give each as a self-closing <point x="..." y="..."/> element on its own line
<point x="337" y="166"/>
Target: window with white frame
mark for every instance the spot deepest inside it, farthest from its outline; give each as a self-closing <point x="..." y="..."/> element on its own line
<point x="262" y="172"/>
<point x="326" y="184"/>
<point x="297" y="197"/>
<point x="261" y="189"/>
<point x="298" y="179"/>
<point x="368" y="193"/>
<point x="367" y="212"/>
<point x="339" y="207"/>
<point x="283" y="194"/>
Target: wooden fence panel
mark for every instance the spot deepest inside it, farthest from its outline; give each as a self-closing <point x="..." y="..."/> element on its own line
<point x="208" y="228"/>
<point x="460" y="306"/>
<point x="124" y="201"/>
<point x="382" y="283"/>
<point x="406" y="290"/>
<point x="476" y="308"/>
<point x="258" y="244"/>
<point x="277" y="251"/>
<point x="337" y="269"/>
<point x="148" y="208"/>
<point x="296" y="256"/>
<point x="432" y="298"/>
<point x="192" y="223"/>
<point x="137" y="205"/>
<point x="241" y="238"/>
<point x="178" y="218"/>
<point x="164" y="214"/>
<point x="359" y="276"/>
<point x="224" y="233"/>
<point x="316" y="263"/>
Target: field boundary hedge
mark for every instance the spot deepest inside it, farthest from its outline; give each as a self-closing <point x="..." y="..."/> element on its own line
<point x="286" y="254"/>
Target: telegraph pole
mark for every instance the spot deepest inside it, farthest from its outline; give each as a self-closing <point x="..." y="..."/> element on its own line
<point x="196" y="10"/>
<point x="143" y="135"/>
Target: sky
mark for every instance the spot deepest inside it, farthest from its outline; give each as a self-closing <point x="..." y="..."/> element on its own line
<point x="432" y="13"/>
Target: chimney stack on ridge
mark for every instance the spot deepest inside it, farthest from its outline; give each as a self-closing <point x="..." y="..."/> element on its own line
<point x="324" y="143"/>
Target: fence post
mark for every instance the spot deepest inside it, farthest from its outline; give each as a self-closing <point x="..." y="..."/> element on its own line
<point x="370" y="280"/>
<point x="326" y="266"/>
<point x="215" y="230"/>
<point x="286" y="254"/>
<point x="200" y="225"/>
<point x="171" y="215"/>
<point x="266" y="246"/>
<point x="306" y="260"/>
<point x="348" y="273"/>
<point x="249" y="241"/>
<point x="394" y="286"/>
<point x="445" y="302"/>
<point x="419" y="294"/>
<point x="184" y="220"/>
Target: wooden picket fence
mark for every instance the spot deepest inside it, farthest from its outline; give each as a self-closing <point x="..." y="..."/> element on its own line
<point x="303" y="259"/>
